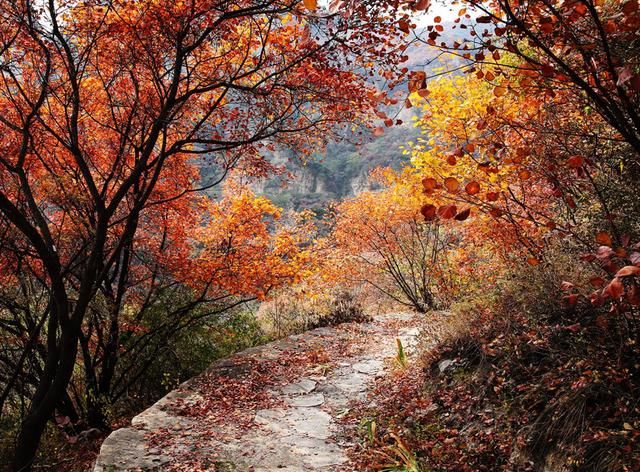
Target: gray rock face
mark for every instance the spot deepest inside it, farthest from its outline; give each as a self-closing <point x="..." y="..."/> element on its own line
<point x="301" y="435"/>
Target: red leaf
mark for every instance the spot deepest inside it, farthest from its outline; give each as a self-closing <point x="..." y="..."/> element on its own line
<point x="493" y="196"/>
<point x="428" y="211"/>
<point x="575" y="162"/>
<point x="633" y="295"/>
<point x="447" y="211"/>
<point x="630" y="7"/>
<point x="604" y="238"/>
<point x="615" y="289"/>
<point x="463" y="215"/>
<point x="472" y="188"/>
<point x="495" y="212"/>
<point x="403" y="25"/>
<point x="626" y="271"/>
<point x="499" y="90"/>
<point x="574" y="328"/>
<point x="422" y="4"/>
<point x="572" y="299"/>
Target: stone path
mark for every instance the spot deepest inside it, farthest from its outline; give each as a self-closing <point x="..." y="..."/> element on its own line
<point x="292" y="427"/>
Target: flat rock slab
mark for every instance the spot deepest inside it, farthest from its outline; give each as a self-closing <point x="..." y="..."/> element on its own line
<point x="315" y="399"/>
<point x="303" y="385"/>
<point x="296" y="433"/>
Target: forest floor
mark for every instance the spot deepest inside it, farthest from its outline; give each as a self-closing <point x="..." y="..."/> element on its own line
<point x="277" y="407"/>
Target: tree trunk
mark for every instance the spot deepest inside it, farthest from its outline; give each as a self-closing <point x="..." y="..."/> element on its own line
<point x="43" y="405"/>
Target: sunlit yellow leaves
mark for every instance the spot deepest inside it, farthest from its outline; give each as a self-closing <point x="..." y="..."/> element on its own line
<point x="246" y="247"/>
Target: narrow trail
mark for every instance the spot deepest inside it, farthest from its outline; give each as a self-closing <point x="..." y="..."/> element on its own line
<point x="269" y="408"/>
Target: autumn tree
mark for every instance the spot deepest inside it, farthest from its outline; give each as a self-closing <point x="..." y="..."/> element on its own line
<point x="382" y="240"/>
<point x="107" y="108"/>
<point x="541" y="134"/>
<point x="585" y="47"/>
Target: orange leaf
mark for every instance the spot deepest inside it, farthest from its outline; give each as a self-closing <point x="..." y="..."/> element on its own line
<point x="451" y="184"/>
<point x="429" y="184"/>
<point x="603" y="238"/>
<point x="379" y="131"/>
<point x="417" y="80"/>
<point x="499" y="91"/>
<point x="310" y="4"/>
<point x="524" y="174"/>
<point x="472" y="188"/>
<point x="534" y="261"/>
